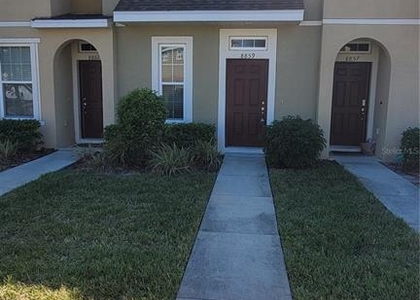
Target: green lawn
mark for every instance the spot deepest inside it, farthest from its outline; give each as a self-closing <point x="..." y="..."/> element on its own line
<point x="339" y="241"/>
<point x="76" y="235"/>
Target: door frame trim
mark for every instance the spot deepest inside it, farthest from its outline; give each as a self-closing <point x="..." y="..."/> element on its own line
<point x="226" y="53"/>
<point x="373" y="58"/>
<point x="76" y="57"/>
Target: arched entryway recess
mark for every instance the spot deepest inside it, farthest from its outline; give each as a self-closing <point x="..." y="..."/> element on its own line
<point x="78" y="93"/>
<point x="353" y="103"/>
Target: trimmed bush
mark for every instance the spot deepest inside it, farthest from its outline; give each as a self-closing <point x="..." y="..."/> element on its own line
<point x="410" y="149"/>
<point x="141" y="116"/>
<point x="25" y="133"/>
<point x="187" y="134"/>
<point x="293" y="143"/>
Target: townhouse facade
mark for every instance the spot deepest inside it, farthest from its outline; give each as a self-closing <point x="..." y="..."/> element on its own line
<point x="351" y="66"/>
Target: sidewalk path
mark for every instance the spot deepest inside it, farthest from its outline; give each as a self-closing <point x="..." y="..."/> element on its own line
<point x="15" y="177"/>
<point x="237" y="253"/>
<point x="398" y="195"/>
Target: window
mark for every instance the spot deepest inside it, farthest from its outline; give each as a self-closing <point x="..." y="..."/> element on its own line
<point x="86" y="47"/>
<point x="172" y="75"/>
<point x="18" y="87"/>
<point x="250" y="43"/>
<point x="356" y="47"/>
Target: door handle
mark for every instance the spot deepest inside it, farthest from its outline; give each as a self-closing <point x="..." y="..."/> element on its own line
<point x="262" y="121"/>
<point x="363" y="102"/>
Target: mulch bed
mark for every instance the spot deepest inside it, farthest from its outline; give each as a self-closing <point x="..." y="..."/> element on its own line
<point x="22" y="158"/>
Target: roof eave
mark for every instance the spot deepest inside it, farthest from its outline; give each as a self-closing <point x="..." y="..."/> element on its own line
<point x="291" y="15"/>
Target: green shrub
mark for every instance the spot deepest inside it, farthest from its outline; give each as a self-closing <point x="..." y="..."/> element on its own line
<point x="171" y="160"/>
<point x="187" y="134"/>
<point x="410" y="149"/>
<point x="8" y="149"/>
<point x="293" y="143"/>
<point x="141" y="116"/>
<point x="206" y="156"/>
<point x="25" y="133"/>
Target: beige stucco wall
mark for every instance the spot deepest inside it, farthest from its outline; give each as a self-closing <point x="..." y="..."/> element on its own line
<point x="371" y="9"/>
<point x="51" y="41"/>
<point x="135" y="69"/>
<point x="314" y="10"/>
<point x="108" y="6"/>
<point x="401" y="102"/>
<point x="298" y="52"/>
<point x="86" y="7"/>
<point x="24" y="10"/>
<point x="60" y="7"/>
<point x="63" y="83"/>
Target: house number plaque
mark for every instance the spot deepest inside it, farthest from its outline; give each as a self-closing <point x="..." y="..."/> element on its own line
<point x="94" y="57"/>
<point x="248" y="55"/>
<point x="352" y="58"/>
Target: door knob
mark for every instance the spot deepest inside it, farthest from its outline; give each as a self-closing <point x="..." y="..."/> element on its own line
<point x="363" y="102"/>
<point x="262" y="121"/>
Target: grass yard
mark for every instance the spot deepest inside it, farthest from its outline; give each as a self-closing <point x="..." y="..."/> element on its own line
<point x="72" y="235"/>
<point x="339" y="241"/>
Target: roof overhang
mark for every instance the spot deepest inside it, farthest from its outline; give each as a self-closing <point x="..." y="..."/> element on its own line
<point x="71" y="23"/>
<point x="293" y="15"/>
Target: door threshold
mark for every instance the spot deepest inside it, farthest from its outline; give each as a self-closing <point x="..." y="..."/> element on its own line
<point x="90" y="141"/>
<point x="348" y="149"/>
<point x="245" y="150"/>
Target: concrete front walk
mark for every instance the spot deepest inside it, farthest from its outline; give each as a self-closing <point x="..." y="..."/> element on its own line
<point x="398" y="195"/>
<point x="237" y="253"/>
<point x="15" y="177"/>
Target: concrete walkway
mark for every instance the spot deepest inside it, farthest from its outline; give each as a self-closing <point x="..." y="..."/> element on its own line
<point x="15" y="177"/>
<point x="398" y="195"/>
<point x="237" y="253"/>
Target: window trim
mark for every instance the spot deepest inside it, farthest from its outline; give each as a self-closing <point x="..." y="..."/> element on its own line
<point x="36" y="102"/>
<point x="187" y="43"/>
<point x="249" y="38"/>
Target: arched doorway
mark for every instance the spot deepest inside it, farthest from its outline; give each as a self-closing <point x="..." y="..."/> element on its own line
<point x="78" y="93"/>
<point x="360" y="75"/>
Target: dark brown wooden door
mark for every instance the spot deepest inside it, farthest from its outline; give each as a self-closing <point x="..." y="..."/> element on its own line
<point x="350" y="103"/>
<point x="91" y="98"/>
<point x="246" y="101"/>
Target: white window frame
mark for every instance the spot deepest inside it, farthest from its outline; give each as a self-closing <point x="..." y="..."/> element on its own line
<point x="265" y="38"/>
<point x="187" y="43"/>
<point x="33" y="47"/>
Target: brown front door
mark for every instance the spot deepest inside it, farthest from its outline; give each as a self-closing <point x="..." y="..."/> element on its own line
<point x="350" y="100"/>
<point x="246" y="101"/>
<point x="91" y="98"/>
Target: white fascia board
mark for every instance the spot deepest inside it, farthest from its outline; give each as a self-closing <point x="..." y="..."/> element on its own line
<point x="20" y="40"/>
<point x="371" y="21"/>
<point x="209" y="16"/>
<point x="310" y="23"/>
<point x="79" y="23"/>
<point x="15" y="24"/>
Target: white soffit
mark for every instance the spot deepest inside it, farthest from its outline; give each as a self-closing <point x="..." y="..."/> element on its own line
<point x="295" y="15"/>
<point x="71" y="23"/>
<point x="371" y="21"/>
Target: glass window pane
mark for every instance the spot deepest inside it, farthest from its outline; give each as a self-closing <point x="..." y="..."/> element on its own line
<point x="26" y="72"/>
<point x="174" y="97"/>
<point x="166" y="73"/>
<point x="18" y="100"/>
<point x="178" y="75"/>
<point x="178" y="55"/>
<point x="6" y="71"/>
<point x="363" y="47"/>
<point x="15" y="54"/>
<point x="260" y="43"/>
<point x="167" y="55"/>
<point x="5" y="55"/>
<point x="248" y="43"/>
<point x="236" y="43"/>
<point x="25" y="55"/>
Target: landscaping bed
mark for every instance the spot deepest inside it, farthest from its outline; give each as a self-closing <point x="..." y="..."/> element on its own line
<point x="22" y="158"/>
<point x="339" y="241"/>
<point x="75" y="235"/>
